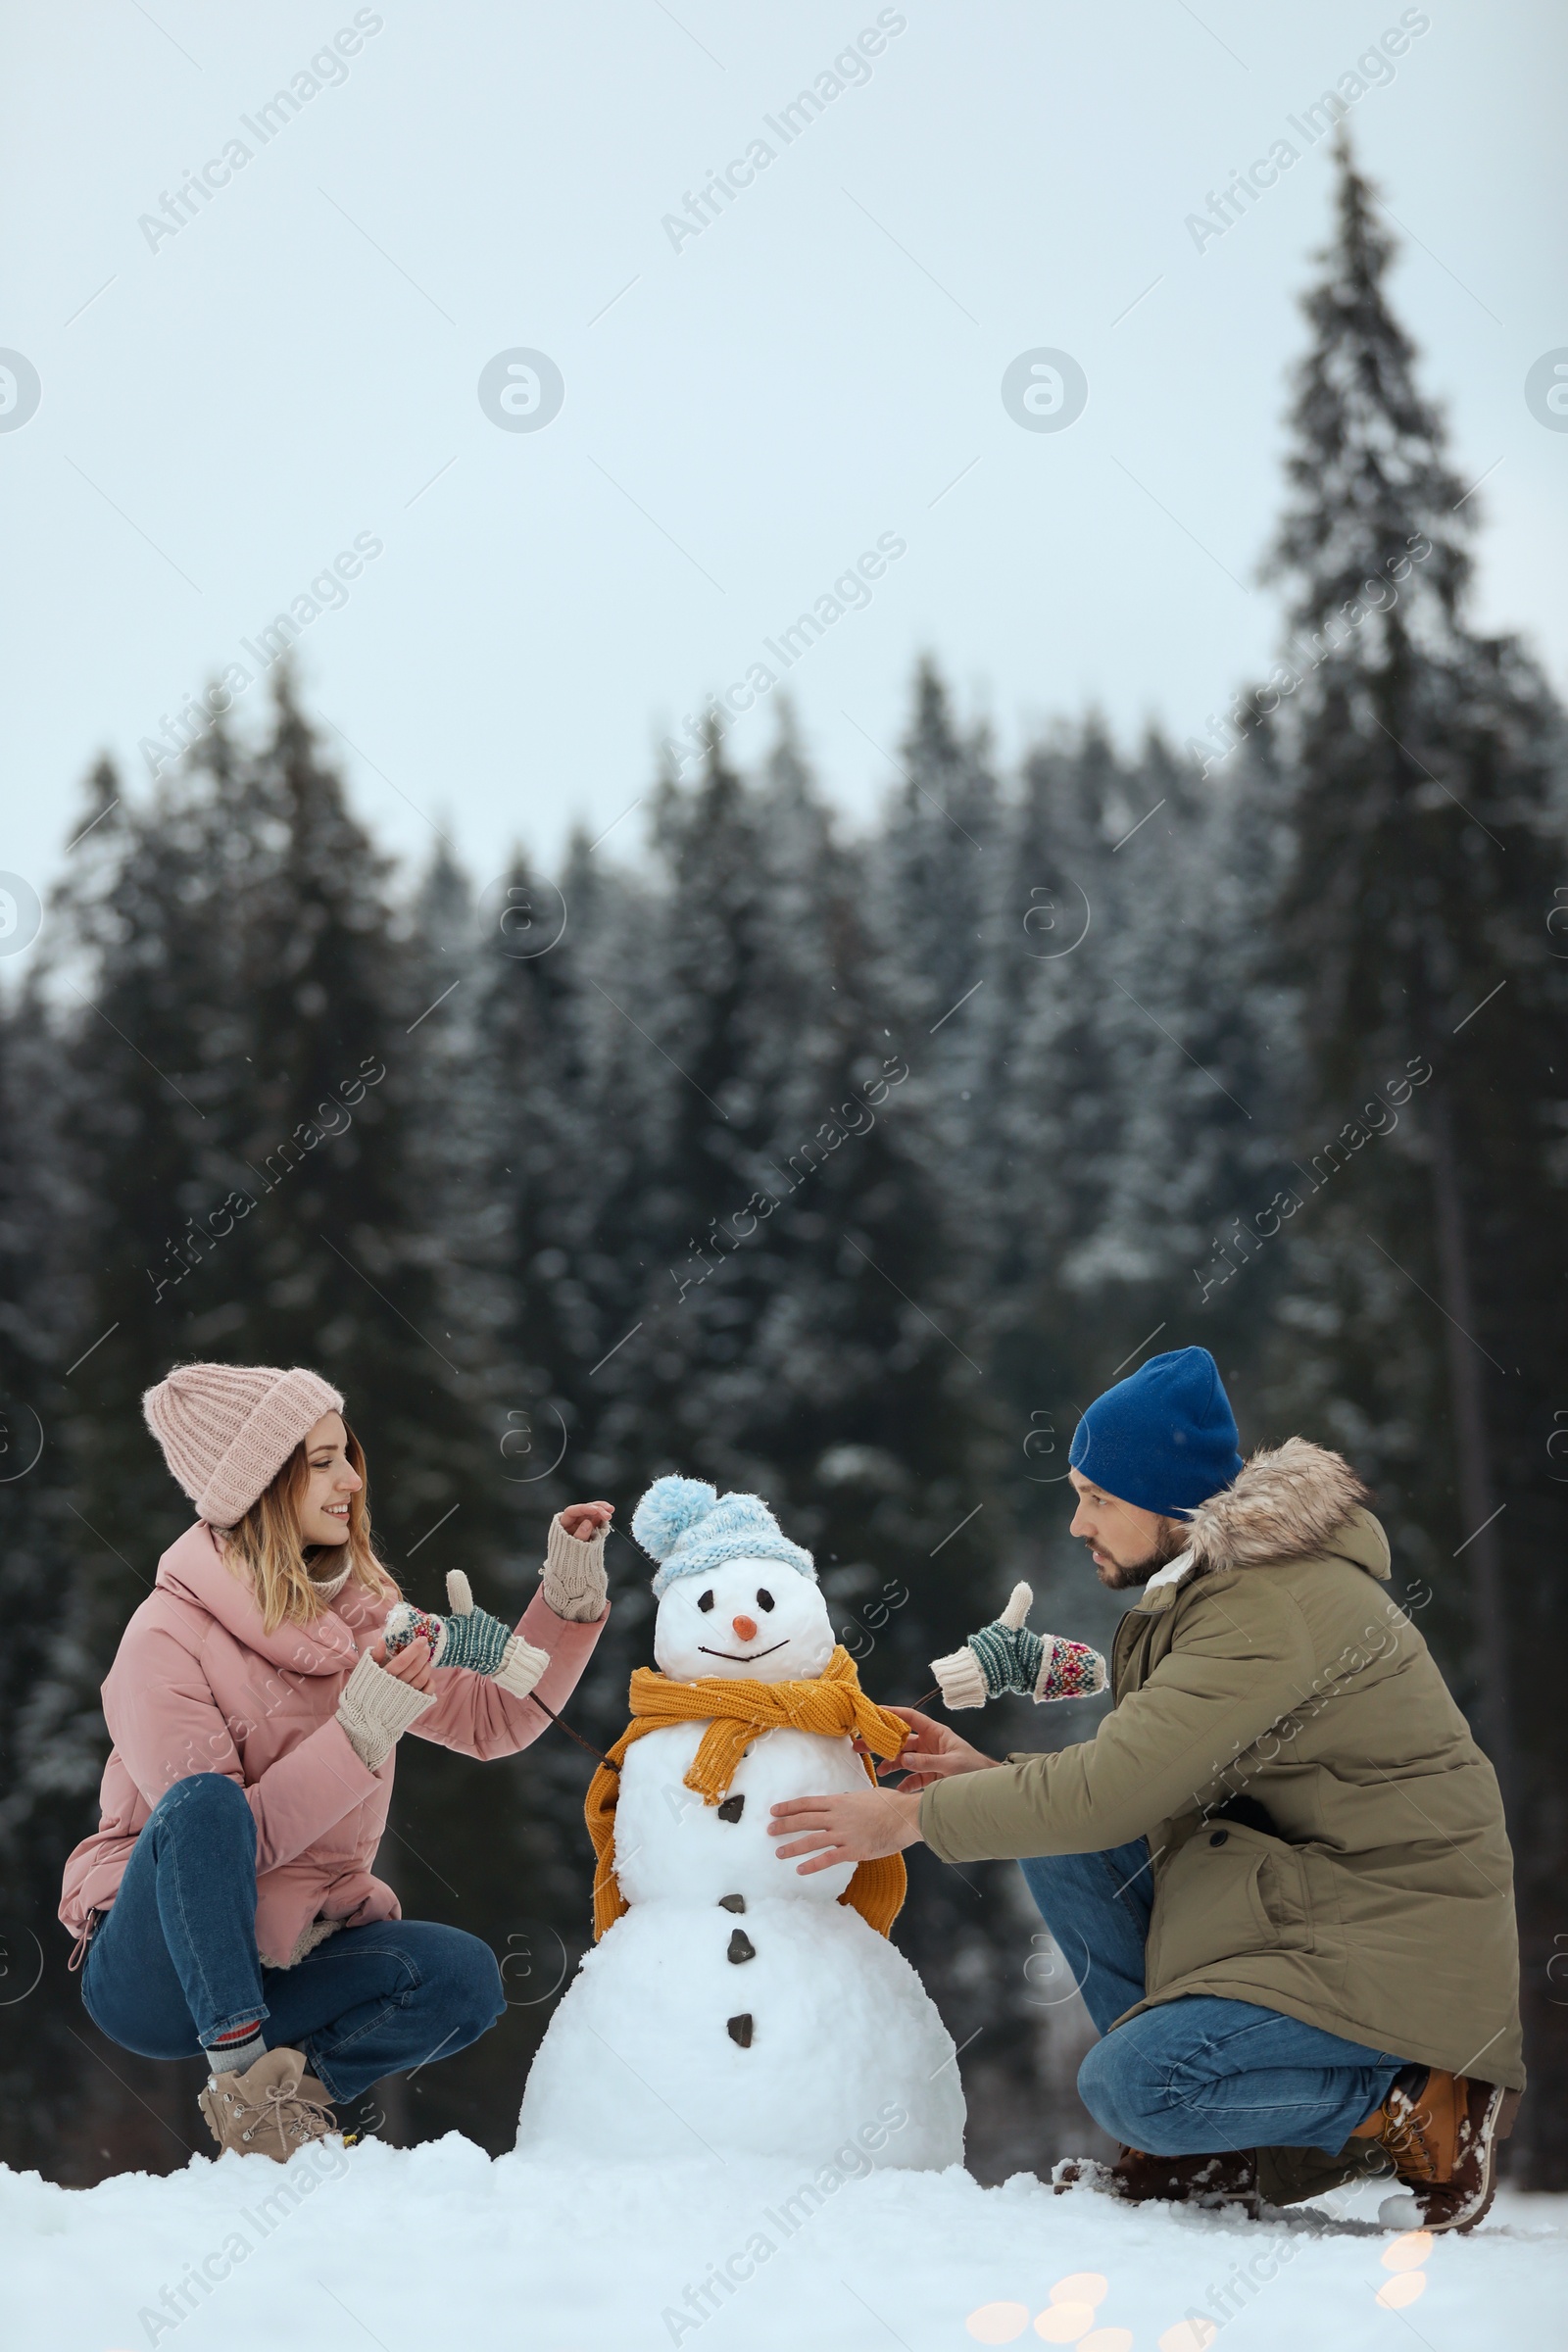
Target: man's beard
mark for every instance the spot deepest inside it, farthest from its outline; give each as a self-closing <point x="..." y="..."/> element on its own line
<point x="1169" y="1544"/>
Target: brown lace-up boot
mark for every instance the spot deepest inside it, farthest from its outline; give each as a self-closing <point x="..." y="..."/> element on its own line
<point x="1137" y="2178"/>
<point x="269" y="2109"/>
<point x="1441" y="2131"/>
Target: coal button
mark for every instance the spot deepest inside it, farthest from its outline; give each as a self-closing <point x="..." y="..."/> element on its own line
<point x="732" y="1808"/>
<point x="740" y="2029"/>
<point x="732" y="1902"/>
<point x="741" y="1947"/>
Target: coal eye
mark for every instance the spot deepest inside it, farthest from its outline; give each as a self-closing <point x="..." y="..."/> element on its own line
<point x="764" y="1601"/>
<point x="705" y="1600"/>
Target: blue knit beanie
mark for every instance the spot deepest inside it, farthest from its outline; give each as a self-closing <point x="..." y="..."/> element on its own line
<point x="690" y="1530"/>
<point x="1165" y="1438"/>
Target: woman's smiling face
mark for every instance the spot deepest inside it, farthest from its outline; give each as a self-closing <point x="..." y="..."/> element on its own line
<point x="324" y="1507"/>
<point x="757" y="1619"/>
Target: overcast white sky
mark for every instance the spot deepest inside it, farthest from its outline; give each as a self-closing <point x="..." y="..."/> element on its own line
<point x="743" y="417"/>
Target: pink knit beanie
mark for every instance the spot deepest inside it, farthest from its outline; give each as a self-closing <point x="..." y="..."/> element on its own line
<point x="226" y="1429"/>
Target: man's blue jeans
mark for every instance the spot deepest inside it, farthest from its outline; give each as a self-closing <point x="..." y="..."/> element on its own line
<point x="1196" y="2076"/>
<point x="173" y="1964"/>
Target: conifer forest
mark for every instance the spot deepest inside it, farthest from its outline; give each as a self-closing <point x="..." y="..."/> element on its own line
<point x="843" y="1166"/>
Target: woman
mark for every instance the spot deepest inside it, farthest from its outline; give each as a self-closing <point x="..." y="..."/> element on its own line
<point x="226" y="1903"/>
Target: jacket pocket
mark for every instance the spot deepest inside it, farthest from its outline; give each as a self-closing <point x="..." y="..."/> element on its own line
<point x="1229" y="1892"/>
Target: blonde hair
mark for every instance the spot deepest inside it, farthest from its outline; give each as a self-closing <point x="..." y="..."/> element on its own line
<point x="267" y="1550"/>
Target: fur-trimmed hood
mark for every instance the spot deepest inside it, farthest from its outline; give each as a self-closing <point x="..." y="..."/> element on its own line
<point x="1290" y="1501"/>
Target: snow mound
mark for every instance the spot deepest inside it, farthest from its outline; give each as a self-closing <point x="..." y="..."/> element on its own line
<point x="419" y="2249"/>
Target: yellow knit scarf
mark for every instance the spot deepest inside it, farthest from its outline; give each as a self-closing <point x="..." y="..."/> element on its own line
<point x="833" y="1705"/>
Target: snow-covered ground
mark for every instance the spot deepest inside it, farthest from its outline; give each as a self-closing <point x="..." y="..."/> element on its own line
<point x="419" y="2249"/>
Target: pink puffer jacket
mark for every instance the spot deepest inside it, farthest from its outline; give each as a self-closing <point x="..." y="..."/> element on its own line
<point x="197" y="1685"/>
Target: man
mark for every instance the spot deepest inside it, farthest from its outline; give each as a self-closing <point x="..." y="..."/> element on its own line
<point x="1279" y="1870"/>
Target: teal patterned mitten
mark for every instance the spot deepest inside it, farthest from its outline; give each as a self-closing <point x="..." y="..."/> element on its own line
<point x="1009" y="1656"/>
<point x="477" y="1640"/>
<point x="470" y="1638"/>
<point x="1006" y="1656"/>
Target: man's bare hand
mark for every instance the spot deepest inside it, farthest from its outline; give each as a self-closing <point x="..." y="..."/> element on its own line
<point x="844" y="1828"/>
<point x="585" y="1519"/>
<point x="932" y="1752"/>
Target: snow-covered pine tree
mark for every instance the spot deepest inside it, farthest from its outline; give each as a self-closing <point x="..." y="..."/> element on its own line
<point x="566" y="1099"/>
<point x="1427" y="840"/>
<point x="1131" y="1073"/>
<point x="1049" y="1117"/>
<point x="937" y="884"/>
<point x="570" y="1106"/>
<point x="800" y="1333"/>
<point x="142" y="974"/>
<point x="1429" y="843"/>
<point x="39" y="1776"/>
<point x="347" y="1264"/>
<point x="143" y="1099"/>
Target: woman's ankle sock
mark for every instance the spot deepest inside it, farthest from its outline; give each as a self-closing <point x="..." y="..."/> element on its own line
<point x="234" y="2052"/>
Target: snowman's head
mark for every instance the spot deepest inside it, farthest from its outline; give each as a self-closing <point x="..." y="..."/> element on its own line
<point x="736" y="1598"/>
<point x="756" y="1618"/>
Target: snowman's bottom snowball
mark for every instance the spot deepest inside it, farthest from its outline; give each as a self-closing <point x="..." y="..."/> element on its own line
<point x="847" y="2048"/>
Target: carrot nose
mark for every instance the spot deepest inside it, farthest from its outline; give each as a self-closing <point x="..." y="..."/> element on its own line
<point x="745" y="1627"/>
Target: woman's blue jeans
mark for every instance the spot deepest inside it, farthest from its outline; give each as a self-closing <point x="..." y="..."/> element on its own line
<point x="174" y="1963"/>
<point x="1200" y="2075"/>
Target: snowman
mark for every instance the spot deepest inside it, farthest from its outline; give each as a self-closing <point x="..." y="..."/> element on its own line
<point x="730" y="2005"/>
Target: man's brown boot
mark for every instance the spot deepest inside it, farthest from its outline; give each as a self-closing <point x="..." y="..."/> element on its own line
<point x="1137" y="2178"/>
<point x="1441" y="2131"/>
<point x="268" y="2109"/>
<point x="1293" y="2176"/>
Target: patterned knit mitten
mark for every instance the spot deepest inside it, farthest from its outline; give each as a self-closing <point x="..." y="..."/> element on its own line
<point x="470" y="1638"/>
<point x="1005" y="1655"/>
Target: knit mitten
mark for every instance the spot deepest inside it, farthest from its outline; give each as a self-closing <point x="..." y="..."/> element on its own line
<point x="375" y="1709"/>
<point x="468" y="1637"/>
<point x="1005" y="1655"/>
<point x="574" y="1584"/>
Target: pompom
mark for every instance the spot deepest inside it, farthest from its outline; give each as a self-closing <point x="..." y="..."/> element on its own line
<point x="668" y="1508"/>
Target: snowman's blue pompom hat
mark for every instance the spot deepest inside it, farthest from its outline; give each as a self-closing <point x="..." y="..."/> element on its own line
<point x="690" y="1528"/>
